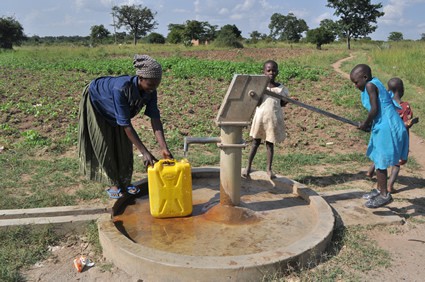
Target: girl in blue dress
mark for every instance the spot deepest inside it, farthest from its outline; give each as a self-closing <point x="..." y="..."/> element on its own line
<point x="389" y="140"/>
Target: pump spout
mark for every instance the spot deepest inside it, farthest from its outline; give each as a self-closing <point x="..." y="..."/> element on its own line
<point x="198" y="140"/>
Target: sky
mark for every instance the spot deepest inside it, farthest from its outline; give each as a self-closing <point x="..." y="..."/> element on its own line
<point x="76" y="17"/>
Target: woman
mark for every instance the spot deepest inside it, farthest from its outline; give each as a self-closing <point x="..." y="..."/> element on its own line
<point x="106" y="135"/>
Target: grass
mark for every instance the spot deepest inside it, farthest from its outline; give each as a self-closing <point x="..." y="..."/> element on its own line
<point x="404" y="60"/>
<point x="23" y="246"/>
<point x="39" y="130"/>
<point x="350" y="254"/>
<point x="36" y="182"/>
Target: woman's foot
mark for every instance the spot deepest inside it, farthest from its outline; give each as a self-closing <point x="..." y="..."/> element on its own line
<point x="133" y="190"/>
<point x="114" y="192"/>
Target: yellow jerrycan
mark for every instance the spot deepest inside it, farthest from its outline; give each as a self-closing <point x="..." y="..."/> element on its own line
<point x="170" y="188"/>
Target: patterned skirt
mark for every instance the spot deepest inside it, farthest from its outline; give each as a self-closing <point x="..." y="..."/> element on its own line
<point x="105" y="152"/>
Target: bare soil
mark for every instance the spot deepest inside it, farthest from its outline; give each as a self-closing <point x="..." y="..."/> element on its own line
<point x="405" y="243"/>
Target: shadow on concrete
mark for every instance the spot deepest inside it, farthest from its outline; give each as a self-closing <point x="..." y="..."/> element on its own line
<point x="332" y="179"/>
<point x="342" y="196"/>
<point x="340" y="178"/>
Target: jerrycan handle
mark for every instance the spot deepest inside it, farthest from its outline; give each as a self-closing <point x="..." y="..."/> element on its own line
<point x="167" y="162"/>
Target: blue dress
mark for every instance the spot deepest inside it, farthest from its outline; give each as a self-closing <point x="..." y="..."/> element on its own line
<point x="389" y="140"/>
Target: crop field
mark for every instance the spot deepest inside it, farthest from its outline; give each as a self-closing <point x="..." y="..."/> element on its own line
<point x="40" y="89"/>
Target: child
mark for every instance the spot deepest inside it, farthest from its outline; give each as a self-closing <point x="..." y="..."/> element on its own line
<point x="106" y="135"/>
<point x="396" y="88"/>
<point x="389" y="141"/>
<point x="268" y="124"/>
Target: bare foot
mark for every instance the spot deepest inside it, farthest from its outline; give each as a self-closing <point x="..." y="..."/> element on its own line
<point x="245" y="174"/>
<point x="271" y="175"/>
<point x="391" y="190"/>
<point x="369" y="174"/>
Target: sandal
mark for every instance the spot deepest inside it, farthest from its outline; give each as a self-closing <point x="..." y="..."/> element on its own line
<point x="114" y="194"/>
<point x="133" y="190"/>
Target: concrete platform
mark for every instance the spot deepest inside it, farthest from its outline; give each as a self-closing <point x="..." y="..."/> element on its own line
<point x="279" y="223"/>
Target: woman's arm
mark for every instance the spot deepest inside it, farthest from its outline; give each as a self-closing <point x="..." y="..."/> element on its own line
<point x="148" y="158"/>
<point x="159" y="135"/>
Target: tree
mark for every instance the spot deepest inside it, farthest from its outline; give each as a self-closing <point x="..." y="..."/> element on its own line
<point x="331" y="26"/>
<point x="137" y="19"/>
<point x="210" y="32"/>
<point x="98" y="33"/>
<point x="197" y="30"/>
<point x="287" y="28"/>
<point x="320" y="36"/>
<point x="395" y="36"/>
<point x="229" y="36"/>
<point x="155" y="38"/>
<point x="11" y="32"/>
<point x="192" y="29"/>
<point x="176" y="33"/>
<point x="256" y="36"/>
<point x="356" y="17"/>
<point x="422" y="37"/>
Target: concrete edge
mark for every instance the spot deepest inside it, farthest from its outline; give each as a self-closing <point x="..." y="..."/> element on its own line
<point x="51" y="212"/>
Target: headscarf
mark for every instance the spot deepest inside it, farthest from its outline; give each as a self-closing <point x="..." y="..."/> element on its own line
<point x="147" y="67"/>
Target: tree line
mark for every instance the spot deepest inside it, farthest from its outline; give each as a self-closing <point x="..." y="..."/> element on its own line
<point x="357" y="19"/>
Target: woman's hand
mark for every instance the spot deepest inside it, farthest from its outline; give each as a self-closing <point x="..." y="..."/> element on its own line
<point x="166" y="154"/>
<point x="148" y="160"/>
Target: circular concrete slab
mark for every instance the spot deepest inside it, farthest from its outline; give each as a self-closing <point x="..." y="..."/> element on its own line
<point x="278" y="223"/>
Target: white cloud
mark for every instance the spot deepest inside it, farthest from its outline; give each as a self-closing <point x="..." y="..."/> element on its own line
<point x="321" y="17"/>
<point x="197" y="6"/>
<point x="245" y="6"/>
<point x="182" y="11"/>
<point x="395" y="12"/>
<point x="93" y="5"/>
<point x="223" y="11"/>
<point x="300" y="14"/>
<point x="237" y="16"/>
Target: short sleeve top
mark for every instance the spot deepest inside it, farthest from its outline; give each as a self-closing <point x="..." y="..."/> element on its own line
<point x="118" y="99"/>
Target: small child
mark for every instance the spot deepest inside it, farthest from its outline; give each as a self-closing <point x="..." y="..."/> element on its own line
<point x="396" y="88"/>
<point x="268" y="123"/>
<point x="389" y="140"/>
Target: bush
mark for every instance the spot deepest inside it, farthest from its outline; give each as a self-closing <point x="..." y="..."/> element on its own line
<point x="155" y="38"/>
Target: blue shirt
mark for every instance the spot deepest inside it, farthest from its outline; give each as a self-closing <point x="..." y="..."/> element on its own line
<point x="118" y="99"/>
